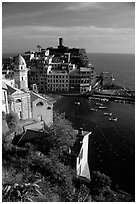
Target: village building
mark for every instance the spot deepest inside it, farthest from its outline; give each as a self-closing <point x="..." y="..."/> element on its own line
<point x="58" y="80"/>
<point x="21" y="73"/>
<point x="18" y="98"/>
<point x="19" y="102"/>
<point x="9" y="81"/>
<point x="107" y="78"/>
<point x="82" y="164"/>
<point x="42" y="109"/>
<point x="38" y="76"/>
<point x="5" y="105"/>
<point x="74" y="81"/>
<point x="87" y="76"/>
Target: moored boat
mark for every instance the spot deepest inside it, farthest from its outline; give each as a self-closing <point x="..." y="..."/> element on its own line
<point x="99" y="104"/>
<point x="102" y="107"/>
<point x="93" y="109"/>
<point x="113" y="119"/>
<point x="77" y="103"/>
<point x="108" y="114"/>
<point x="105" y="99"/>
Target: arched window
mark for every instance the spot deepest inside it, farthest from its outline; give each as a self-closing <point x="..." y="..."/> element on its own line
<point x="40" y="103"/>
<point x="49" y="108"/>
<point x="18" y="100"/>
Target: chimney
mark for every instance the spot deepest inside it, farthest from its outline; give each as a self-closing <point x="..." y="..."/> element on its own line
<point x="60" y="42"/>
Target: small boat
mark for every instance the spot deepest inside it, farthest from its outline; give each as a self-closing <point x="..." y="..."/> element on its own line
<point x="93" y="109"/>
<point x="104" y="99"/>
<point x="109" y="114"/>
<point x="77" y="103"/>
<point x="102" y="107"/>
<point x="99" y="104"/>
<point x="113" y="119"/>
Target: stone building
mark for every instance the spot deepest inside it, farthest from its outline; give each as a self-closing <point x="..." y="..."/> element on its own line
<point x="107" y="78"/>
<point x="87" y="78"/>
<point x="82" y="165"/>
<point x="19" y="102"/>
<point x="5" y="106"/>
<point x="21" y="73"/>
<point x="42" y="109"/>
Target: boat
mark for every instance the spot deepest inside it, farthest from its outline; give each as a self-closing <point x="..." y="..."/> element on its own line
<point x="77" y="103"/>
<point x="93" y="109"/>
<point x="109" y="114"/>
<point x="99" y="104"/>
<point x="102" y="107"/>
<point x="113" y="119"/>
<point x="105" y="99"/>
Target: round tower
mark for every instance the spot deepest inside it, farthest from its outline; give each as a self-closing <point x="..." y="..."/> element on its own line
<point x="21" y="73"/>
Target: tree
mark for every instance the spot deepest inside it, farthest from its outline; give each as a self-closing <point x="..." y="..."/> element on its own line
<point x="35" y="159"/>
<point x="12" y="120"/>
<point x="5" y="128"/>
<point x="99" y="182"/>
<point x="62" y="135"/>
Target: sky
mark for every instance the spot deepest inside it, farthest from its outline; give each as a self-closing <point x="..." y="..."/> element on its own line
<point x="99" y="27"/>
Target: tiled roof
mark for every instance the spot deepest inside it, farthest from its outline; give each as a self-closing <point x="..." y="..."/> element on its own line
<point x="30" y="135"/>
<point x="35" y="96"/>
<point x="11" y="89"/>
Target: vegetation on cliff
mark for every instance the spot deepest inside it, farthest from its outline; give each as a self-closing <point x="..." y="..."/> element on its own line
<point x="41" y="172"/>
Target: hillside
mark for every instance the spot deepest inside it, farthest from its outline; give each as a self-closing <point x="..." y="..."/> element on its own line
<point x="40" y="171"/>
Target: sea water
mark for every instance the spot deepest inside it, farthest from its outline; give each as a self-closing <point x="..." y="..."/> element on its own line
<point x="112" y="144"/>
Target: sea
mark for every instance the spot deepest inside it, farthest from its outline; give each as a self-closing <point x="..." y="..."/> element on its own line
<point x="111" y="144"/>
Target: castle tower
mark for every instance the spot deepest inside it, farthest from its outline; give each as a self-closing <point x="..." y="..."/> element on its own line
<point x="21" y="73"/>
<point x="60" y="42"/>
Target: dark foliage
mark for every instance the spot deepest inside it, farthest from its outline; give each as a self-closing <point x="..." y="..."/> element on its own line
<point x="12" y="120"/>
<point x="99" y="182"/>
<point x="43" y="158"/>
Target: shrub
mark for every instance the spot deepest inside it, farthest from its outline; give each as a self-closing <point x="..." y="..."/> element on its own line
<point x="99" y="182"/>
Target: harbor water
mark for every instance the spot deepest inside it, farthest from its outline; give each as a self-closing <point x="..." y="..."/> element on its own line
<point x="112" y="144"/>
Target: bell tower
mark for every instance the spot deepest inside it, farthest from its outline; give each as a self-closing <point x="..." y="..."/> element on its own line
<point x="21" y="73"/>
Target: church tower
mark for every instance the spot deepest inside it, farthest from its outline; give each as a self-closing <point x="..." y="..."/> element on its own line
<point x="21" y="73"/>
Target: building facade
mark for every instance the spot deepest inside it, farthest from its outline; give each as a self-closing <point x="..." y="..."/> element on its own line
<point x="19" y="102"/>
<point x="21" y="73"/>
<point x="38" y="77"/>
<point x="82" y="166"/>
<point x="87" y="76"/>
<point x="107" y="78"/>
<point x="62" y="77"/>
<point x="5" y="105"/>
<point x="58" y="81"/>
<point x="42" y="109"/>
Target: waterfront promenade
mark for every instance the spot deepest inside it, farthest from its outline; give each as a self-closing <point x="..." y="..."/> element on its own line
<point x="102" y="96"/>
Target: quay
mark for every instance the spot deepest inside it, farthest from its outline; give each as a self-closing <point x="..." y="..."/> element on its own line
<point x="101" y="96"/>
